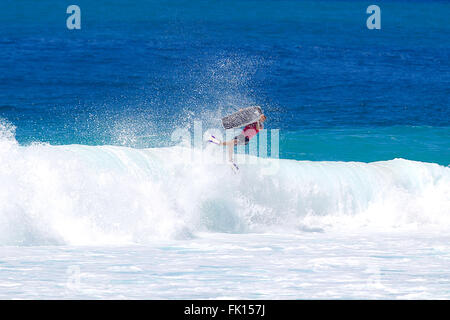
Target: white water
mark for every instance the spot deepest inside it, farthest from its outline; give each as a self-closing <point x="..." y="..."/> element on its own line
<point x="236" y="266"/>
<point x="113" y="222"/>
<point x="94" y="195"/>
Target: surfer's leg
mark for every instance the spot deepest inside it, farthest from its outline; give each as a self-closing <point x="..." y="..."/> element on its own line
<point x="230" y="145"/>
<point x="231" y="150"/>
<point x="240" y="139"/>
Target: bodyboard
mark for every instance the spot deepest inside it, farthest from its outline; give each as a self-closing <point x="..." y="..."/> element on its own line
<point x="242" y="118"/>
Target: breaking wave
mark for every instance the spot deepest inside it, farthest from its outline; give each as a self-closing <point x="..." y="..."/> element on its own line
<point x="90" y="195"/>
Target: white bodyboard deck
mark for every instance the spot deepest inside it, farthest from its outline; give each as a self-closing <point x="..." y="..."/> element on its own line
<point x="242" y="117"/>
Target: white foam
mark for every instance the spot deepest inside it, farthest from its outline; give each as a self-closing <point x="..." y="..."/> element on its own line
<point x="76" y="194"/>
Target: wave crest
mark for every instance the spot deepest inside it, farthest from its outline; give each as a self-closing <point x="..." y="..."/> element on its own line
<point x="77" y="194"/>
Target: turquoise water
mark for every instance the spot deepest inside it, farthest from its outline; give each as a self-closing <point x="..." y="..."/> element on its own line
<point x="422" y="143"/>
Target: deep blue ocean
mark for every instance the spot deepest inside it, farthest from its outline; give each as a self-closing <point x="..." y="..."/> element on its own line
<point x="138" y="70"/>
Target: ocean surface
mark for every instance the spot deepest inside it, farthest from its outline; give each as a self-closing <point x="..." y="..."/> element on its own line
<point x="101" y="197"/>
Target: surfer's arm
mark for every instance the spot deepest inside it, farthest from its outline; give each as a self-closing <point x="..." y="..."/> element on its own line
<point x="259" y="125"/>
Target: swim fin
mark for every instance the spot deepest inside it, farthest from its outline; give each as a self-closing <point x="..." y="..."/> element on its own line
<point x="214" y="140"/>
